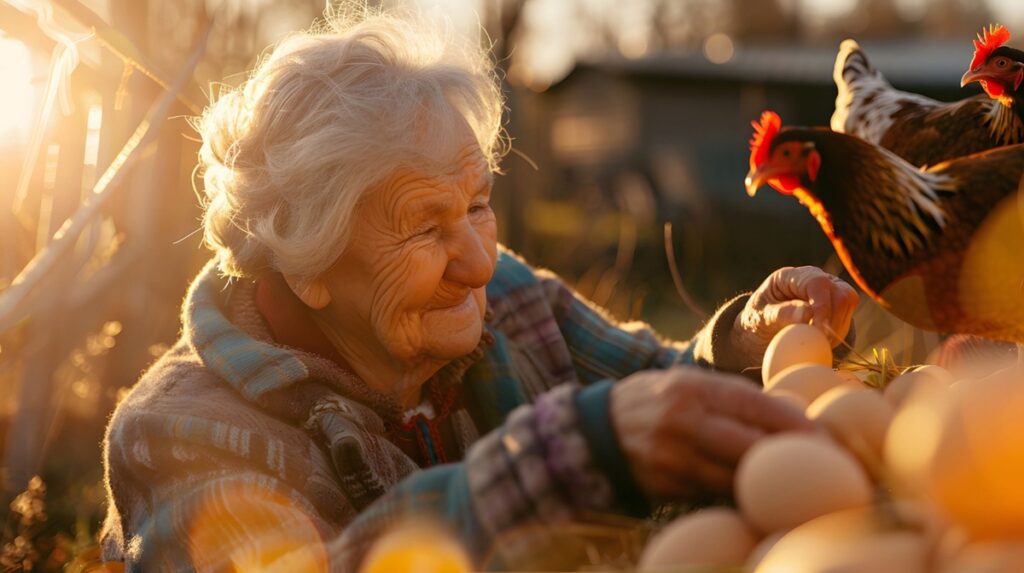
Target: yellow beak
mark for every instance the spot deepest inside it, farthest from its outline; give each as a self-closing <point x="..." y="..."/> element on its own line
<point x="971" y="76"/>
<point x="756" y="178"/>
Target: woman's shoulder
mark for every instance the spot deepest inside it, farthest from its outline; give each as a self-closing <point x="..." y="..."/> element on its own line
<point x="512" y="274"/>
<point x="176" y="386"/>
<point x="177" y="372"/>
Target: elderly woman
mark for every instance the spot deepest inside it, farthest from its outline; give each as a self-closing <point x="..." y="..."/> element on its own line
<point x="360" y="348"/>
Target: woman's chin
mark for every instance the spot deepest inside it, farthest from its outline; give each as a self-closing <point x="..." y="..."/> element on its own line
<point x="453" y="332"/>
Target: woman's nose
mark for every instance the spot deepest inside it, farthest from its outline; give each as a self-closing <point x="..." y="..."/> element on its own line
<point x="470" y="258"/>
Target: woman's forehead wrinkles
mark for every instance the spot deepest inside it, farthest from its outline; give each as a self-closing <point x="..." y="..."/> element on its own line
<point x="469" y="161"/>
<point x="415" y="193"/>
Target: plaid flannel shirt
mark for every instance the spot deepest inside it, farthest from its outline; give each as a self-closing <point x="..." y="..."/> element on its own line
<point x="235" y="452"/>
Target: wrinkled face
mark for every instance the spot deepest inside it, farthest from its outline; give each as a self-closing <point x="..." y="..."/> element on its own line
<point x="422" y="249"/>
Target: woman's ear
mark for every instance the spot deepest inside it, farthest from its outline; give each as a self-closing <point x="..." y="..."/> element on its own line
<point x="313" y="293"/>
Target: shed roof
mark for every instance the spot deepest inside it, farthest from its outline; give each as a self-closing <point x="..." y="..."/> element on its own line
<point x="926" y="63"/>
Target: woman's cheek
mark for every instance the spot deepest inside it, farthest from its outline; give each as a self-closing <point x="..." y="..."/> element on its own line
<point x="410" y="279"/>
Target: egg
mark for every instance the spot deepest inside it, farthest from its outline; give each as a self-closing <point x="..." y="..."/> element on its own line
<point x="807" y="380"/>
<point x="762" y="549"/>
<point x="795" y="344"/>
<point x="913" y="439"/>
<point x="859" y="419"/>
<point x="790" y="396"/>
<point x="937" y="372"/>
<point x="854" y="541"/>
<point x="903" y="386"/>
<point x="950" y="545"/>
<point x="991" y="557"/>
<point x="976" y="467"/>
<point x="787" y="479"/>
<point x="964" y="450"/>
<point x="714" y="537"/>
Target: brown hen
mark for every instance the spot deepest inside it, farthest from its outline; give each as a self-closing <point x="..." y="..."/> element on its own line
<point x="941" y="248"/>
<point x="925" y="131"/>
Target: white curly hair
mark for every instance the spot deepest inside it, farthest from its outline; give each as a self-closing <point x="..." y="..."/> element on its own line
<point x="329" y="113"/>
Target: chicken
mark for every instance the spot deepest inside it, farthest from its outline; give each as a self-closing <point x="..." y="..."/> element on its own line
<point x="939" y="247"/>
<point x="924" y="131"/>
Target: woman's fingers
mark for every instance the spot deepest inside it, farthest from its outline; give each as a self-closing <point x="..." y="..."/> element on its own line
<point x="714" y="477"/>
<point x="724" y="439"/>
<point x="850" y="299"/>
<point x="777" y="316"/>
<point x="739" y="400"/>
<point x="689" y="471"/>
<point x="832" y="301"/>
<point x="842" y="301"/>
<point x="689" y="427"/>
<point x="731" y="415"/>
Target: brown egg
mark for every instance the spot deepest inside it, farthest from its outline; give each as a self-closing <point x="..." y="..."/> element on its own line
<point x="807" y="380"/>
<point x="991" y="557"/>
<point x="859" y="419"/>
<point x="904" y="385"/>
<point x="856" y="541"/>
<point x="950" y="545"/>
<point x="937" y="372"/>
<point x="787" y="479"/>
<point x="940" y="536"/>
<point x="964" y="450"/>
<point x="714" y="537"/>
<point x="795" y="344"/>
<point x="793" y="398"/>
<point x="913" y="440"/>
<point x="975" y="472"/>
<point x="762" y="549"/>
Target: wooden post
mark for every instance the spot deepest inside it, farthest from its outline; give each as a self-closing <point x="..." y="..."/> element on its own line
<point x="49" y="332"/>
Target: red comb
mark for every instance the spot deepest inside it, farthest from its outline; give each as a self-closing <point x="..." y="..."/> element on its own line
<point x="764" y="132"/>
<point x="988" y="40"/>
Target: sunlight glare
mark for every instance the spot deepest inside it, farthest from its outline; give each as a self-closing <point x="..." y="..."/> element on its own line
<point x="16" y="105"/>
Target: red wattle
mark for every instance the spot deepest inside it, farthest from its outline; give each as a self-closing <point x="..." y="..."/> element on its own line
<point x="813" y="165"/>
<point x="993" y="89"/>
<point x="785" y="184"/>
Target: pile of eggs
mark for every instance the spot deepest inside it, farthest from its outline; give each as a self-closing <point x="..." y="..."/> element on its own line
<point x="925" y="475"/>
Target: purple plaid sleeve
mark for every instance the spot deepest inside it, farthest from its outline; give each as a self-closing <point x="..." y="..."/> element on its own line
<point x="534" y="472"/>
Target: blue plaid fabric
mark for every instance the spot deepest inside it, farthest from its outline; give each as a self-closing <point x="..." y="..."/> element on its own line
<point x="233" y="450"/>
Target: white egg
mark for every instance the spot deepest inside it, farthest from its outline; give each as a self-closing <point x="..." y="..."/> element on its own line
<point x="713" y="537"/>
<point x="795" y="344"/>
<point x="787" y="479"/>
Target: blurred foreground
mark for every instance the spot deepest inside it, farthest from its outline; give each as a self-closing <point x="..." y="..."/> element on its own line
<point x="633" y="119"/>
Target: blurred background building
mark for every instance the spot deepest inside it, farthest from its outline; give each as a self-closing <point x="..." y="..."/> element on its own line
<point x="624" y="116"/>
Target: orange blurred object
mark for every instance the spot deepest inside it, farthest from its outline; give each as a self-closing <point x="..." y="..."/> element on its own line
<point x="419" y="547"/>
<point x="964" y="450"/>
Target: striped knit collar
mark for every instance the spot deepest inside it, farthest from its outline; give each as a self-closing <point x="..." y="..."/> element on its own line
<point x="223" y="327"/>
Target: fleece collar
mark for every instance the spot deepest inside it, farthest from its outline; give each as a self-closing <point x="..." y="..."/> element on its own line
<point x="254" y="367"/>
<point x="246" y="356"/>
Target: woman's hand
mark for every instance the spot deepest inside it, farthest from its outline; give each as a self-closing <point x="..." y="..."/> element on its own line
<point x="683" y="430"/>
<point x="791" y="295"/>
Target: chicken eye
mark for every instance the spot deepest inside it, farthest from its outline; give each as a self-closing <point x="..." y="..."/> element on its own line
<point x="1001" y="62"/>
<point x="785" y="153"/>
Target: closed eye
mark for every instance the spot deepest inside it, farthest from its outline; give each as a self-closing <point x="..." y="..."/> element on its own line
<point x="426" y="231"/>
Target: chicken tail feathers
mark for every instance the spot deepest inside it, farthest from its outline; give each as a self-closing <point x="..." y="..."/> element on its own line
<point x="859" y="83"/>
